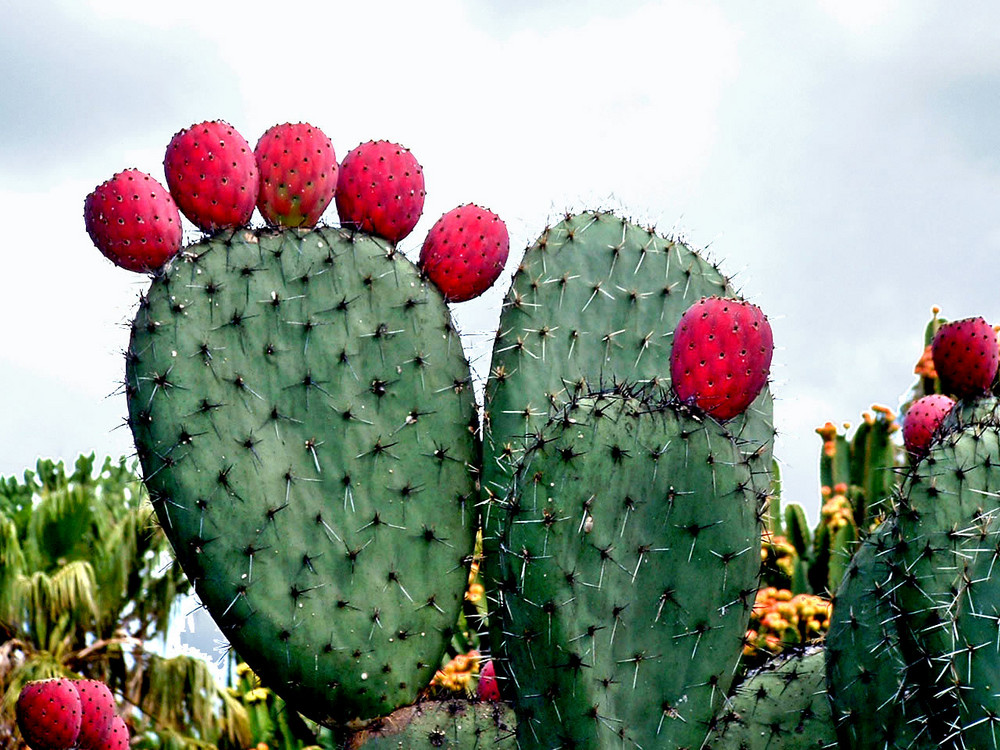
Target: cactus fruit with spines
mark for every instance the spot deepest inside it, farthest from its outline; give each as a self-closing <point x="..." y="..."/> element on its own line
<point x="626" y="512"/>
<point x="720" y="356"/>
<point x="965" y="357"/>
<point x="97" y="712"/>
<point x="212" y="175"/>
<point x="49" y="714"/>
<point x="380" y="189"/>
<point x="465" y="251"/>
<point x="133" y="221"/>
<point x="298" y="174"/>
<point x="922" y="420"/>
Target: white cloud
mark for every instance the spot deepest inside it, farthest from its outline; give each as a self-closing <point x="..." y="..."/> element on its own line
<point x="860" y="15"/>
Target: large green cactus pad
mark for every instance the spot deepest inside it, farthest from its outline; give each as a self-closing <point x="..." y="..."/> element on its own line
<point x="783" y="706"/>
<point x="629" y="559"/>
<point x="305" y="420"/>
<point x="595" y="302"/>
<point x="452" y="725"/>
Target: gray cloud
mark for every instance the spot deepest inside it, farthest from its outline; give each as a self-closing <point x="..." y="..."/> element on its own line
<point x="76" y="86"/>
<point x="855" y="177"/>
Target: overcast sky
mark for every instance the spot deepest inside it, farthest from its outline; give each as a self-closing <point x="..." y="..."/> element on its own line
<point x="838" y="156"/>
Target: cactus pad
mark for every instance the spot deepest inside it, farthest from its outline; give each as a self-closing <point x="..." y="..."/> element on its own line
<point x="305" y="420"/>
<point x="629" y="557"/>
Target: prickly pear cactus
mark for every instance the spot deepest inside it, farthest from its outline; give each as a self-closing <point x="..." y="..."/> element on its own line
<point x="454" y="724"/>
<point x="629" y="555"/>
<point x="948" y="544"/>
<point x="783" y="706"/>
<point x="594" y="303"/>
<point x="866" y="668"/>
<point x="305" y="420"/>
<point x="912" y="657"/>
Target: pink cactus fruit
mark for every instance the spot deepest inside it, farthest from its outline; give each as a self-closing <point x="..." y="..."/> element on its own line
<point x="965" y="356"/>
<point x="465" y="252"/>
<point x="212" y="174"/>
<point x="721" y="355"/>
<point x="488" y="689"/>
<point x="298" y="174"/>
<point x="98" y="711"/>
<point x="49" y="714"/>
<point x="922" y="420"/>
<point x="133" y="221"/>
<point x="118" y="737"/>
<point x="380" y="189"/>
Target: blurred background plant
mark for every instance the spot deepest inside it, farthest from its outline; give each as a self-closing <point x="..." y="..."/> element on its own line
<point x="87" y="587"/>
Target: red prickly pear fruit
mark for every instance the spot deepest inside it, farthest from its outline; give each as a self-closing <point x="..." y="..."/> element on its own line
<point x="721" y="355"/>
<point x="118" y="737"/>
<point x="465" y="252"/>
<point x="487" y="689"/>
<point x="380" y="189"/>
<point x="212" y="174"/>
<point x="49" y="714"/>
<point x="965" y="356"/>
<point x="133" y="221"/>
<point x="298" y="175"/>
<point x="97" y="712"/>
<point x="922" y="420"/>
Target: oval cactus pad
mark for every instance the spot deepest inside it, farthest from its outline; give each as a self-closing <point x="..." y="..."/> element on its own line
<point x="305" y="420"/>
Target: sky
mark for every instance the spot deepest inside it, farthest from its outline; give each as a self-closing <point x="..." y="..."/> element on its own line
<point x="837" y="157"/>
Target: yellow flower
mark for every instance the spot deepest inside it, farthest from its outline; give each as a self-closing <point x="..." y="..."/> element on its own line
<point x="257" y="695"/>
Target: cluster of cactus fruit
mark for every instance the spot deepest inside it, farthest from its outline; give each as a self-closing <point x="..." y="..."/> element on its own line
<point x="60" y="714"/>
<point x="307" y="426"/>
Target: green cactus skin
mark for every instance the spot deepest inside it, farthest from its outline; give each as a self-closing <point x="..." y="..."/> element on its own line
<point x="595" y="302"/>
<point x="977" y="627"/>
<point x="783" y="706"/>
<point x="305" y="421"/>
<point x="946" y="520"/>
<point x="630" y="554"/>
<point x="454" y="724"/>
<point x="874" y="705"/>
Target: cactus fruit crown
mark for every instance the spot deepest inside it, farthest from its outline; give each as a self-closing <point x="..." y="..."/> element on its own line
<point x="306" y="422"/>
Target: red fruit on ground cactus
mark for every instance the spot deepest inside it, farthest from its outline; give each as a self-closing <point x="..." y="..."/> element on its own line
<point x="97" y="706"/>
<point x="49" y="714"/>
<point x="298" y="175"/>
<point x="118" y="737"/>
<point x="965" y="357"/>
<point x="380" y="189"/>
<point x="922" y="420"/>
<point x="133" y="221"/>
<point x="465" y="252"/>
<point x="721" y="356"/>
<point x="487" y="689"/>
<point x="212" y="174"/>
